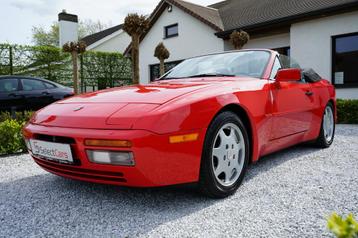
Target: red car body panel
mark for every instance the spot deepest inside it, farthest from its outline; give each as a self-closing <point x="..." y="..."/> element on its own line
<point x="278" y="114"/>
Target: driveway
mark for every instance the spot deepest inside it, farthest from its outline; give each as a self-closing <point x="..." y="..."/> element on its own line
<point x="287" y="194"/>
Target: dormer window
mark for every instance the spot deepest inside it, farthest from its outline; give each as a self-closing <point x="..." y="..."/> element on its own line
<point x="171" y="31"/>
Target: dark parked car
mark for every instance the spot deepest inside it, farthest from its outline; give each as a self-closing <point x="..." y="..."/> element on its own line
<point x="21" y="93"/>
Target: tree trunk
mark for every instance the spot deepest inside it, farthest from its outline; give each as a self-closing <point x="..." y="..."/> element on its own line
<point x="75" y="72"/>
<point x="162" y="69"/>
<point x="135" y="58"/>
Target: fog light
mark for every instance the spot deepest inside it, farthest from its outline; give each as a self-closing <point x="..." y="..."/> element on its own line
<point x="111" y="157"/>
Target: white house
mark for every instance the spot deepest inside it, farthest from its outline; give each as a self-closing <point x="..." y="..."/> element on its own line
<point x="113" y="39"/>
<point x="319" y="34"/>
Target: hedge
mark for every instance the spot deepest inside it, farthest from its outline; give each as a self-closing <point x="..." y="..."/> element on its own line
<point x="347" y="111"/>
<point x="98" y="70"/>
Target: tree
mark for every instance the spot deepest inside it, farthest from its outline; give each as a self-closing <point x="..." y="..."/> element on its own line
<point x="75" y="48"/>
<point x="239" y="38"/>
<point x="135" y="25"/>
<point x="43" y="37"/>
<point x="162" y="54"/>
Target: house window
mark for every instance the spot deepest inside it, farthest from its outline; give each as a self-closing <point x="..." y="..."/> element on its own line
<point x="154" y="69"/>
<point x="171" y="31"/>
<point x="345" y="60"/>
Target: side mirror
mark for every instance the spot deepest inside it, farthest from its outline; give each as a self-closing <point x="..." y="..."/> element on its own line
<point x="286" y="75"/>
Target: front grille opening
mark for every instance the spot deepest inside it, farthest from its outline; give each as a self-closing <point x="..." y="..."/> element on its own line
<point x="56" y="139"/>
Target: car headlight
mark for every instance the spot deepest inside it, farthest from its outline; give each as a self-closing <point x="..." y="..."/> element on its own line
<point x="111" y="157"/>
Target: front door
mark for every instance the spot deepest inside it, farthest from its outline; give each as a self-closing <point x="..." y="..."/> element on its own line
<point x="292" y="104"/>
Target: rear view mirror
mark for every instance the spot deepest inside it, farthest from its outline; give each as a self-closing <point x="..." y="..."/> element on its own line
<point x="286" y="75"/>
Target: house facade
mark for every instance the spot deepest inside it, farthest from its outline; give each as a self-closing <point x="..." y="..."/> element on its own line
<point x="113" y="39"/>
<point x="319" y="34"/>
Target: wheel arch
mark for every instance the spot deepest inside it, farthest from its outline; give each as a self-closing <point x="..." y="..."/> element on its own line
<point x="243" y="114"/>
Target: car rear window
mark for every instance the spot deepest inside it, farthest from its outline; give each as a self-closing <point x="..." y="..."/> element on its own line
<point x="8" y="85"/>
<point x="32" y="84"/>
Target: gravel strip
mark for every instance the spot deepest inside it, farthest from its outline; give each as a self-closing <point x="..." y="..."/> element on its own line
<point x="287" y="194"/>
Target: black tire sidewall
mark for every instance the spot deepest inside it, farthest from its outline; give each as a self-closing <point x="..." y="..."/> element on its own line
<point x="207" y="163"/>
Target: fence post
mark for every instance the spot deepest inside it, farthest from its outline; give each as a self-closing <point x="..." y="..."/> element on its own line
<point x="11" y="60"/>
<point x="81" y="74"/>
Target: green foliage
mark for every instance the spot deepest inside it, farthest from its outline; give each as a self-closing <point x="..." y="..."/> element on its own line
<point x="21" y="117"/>
<point x="11" y="139"/>
<point x="105" y="70"/>
<point x="347" y="111"/>
<point x="343" y="228"/>
<point x="43" y="37"/>
<point x="97" y="69"/>
<point x="40" y="36"/>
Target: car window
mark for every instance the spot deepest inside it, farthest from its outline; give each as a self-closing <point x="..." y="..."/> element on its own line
<point x="49" y="85"/>
<point x="276" y="66"/>
<point x="32" y="84"/>
<point x="288" y="62"/>
<point x="241" y="63"/>
<point x="9" y="85"/>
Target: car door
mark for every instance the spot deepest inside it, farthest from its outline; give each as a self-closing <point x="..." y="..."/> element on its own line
<point x="10" y="98"/>
<point x="292" y="105"/>
<point x="35" y="93"/>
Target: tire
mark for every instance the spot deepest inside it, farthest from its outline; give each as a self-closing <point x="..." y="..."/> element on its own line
<point x="325" y="138"/>
<point x="229" y="152"/>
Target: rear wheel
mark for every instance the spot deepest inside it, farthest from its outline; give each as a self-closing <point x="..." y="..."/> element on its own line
<point x="326" y="135"/>
<point x="225" y="156"/>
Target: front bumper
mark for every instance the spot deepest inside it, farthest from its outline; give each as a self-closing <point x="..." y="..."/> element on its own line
<point x="157" y="162"/>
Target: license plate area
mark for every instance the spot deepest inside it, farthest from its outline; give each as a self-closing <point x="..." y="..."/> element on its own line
<point x="59" y="152"/>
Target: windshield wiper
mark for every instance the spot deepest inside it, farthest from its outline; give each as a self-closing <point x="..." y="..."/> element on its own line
<point x="211" y="75"/>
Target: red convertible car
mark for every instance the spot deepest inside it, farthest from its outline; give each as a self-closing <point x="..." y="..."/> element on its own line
<point x="203" y="122"/>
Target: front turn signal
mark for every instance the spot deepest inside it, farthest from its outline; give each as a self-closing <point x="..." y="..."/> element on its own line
<point x="183" y="138"/>
<point x="108" y="143"/>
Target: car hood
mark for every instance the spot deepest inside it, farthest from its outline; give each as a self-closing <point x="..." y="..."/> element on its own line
<point x="157" y="93"/>
<point x="116" y="108"/>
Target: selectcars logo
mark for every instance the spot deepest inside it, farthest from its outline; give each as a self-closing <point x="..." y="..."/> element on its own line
<point x="52" y="153"/>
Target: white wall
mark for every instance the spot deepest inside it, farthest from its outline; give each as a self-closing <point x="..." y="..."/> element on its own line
<point x="68" y="31"/>
<point x="311" y="44"/>
<point x="117" y="42"/>
<point x="269" y="42"/>
<point x="195" y="38"/>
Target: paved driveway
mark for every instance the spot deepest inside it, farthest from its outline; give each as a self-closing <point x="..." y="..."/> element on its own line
<point x="287" y="194"/>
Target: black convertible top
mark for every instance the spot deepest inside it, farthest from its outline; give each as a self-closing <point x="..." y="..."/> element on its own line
<point x="310" y="75"/>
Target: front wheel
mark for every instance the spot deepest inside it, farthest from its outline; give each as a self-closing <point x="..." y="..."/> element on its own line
<point x="328" y="126"/>
<point x="225" y="156"/>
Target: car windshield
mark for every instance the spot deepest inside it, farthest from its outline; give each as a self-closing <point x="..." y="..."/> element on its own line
<point x="240" y="63"/>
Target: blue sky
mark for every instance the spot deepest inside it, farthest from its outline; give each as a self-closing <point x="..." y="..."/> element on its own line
<point x="19" y="16"/>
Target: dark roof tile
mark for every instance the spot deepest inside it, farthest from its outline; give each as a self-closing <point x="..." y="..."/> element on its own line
<point x="90" y="39"/>
<point x="237" y="14"/>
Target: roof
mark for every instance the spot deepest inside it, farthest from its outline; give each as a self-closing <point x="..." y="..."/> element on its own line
<point x="247" y="14"/>
<point x="207" y="15"/>
<point x="90" y="39"/>
<point x="219" y="5"/>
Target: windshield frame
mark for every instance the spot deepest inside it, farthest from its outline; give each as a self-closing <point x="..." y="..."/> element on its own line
<point x="220" y="53"/>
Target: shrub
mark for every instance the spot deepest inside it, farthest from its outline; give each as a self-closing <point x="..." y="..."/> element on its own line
<point x="19" y="116"/>
<point x="11" y="139"/>
<point x="347" y="111"/>
<point x="343" y="228"/>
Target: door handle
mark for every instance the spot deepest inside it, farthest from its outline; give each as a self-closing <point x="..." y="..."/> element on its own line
<point x="45" y="93"/>
<point x="309" y="93"/>
<point x="13" y="95"/>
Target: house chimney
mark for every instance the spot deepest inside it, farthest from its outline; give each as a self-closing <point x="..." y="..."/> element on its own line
<point x="68" y="27"/>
